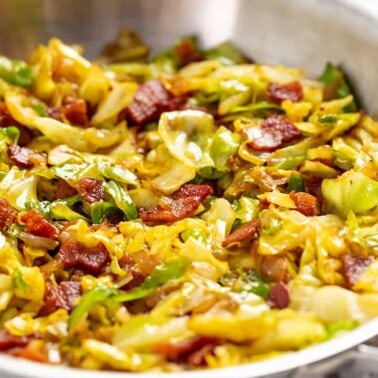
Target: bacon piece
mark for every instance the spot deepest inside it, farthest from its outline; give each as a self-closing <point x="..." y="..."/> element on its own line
<point x="243" y="233"/>
<point x="21" y="156"/>
<point x="275" y="131"/>
<point x="35" y="350"/>
<point x="183" y="203"/>
<point x="63" y="295"/>
<point x="37" y="225"/>
<point x="306" y="203"/>
<point x="187" y="52"/>
<point x="8" y="341"/>
<point x="7" y="214"/>
<point x="274" y="268"/>
<point x="291" y="91"/>
<point x="76" y="255"/>
<point x="192" y="351"/>
<point x="353" y="267"/>
<point x="75" y="111"/>
<point x="91" y="189"/>
<point x="283" y="127"/>
<point x="279" y="296"/>
<point x="150" y="100"/>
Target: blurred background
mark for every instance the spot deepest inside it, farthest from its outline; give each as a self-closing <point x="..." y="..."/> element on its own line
<point x="304" y="33"/>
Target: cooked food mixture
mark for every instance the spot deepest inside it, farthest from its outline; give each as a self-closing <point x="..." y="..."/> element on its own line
<point x="190" y="210"/>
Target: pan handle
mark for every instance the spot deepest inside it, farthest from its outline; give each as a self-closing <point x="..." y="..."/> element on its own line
<point x="359" y="362"/>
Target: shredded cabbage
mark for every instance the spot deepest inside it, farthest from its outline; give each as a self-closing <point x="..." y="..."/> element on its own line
<point x="190" y="210"/>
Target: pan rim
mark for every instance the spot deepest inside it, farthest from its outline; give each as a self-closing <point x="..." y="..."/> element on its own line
<point x="19" y="368"/>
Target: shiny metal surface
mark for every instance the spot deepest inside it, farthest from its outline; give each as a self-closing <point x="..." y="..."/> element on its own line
<point x="299" y="33"/>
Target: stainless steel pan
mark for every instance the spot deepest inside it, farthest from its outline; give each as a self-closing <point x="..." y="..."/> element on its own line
<point x="290" y="32"/>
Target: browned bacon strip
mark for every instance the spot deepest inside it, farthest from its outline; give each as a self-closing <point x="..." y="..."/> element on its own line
<point x="353" y="267"/>
<point x="193" y="350"/>
<point x="21" y="156"/>
<point x="306" y="203"/>
<point x="8" y="341"/>
<point x="279" y="296"/>
<point x="183" y="203"/>
<point x="91" y="189"/>
<point x="291" y="91"/>
<point x="74" y="254"/>
<point x="275" y="131"/>
<point x="7" y="214"/>
<point x="187" y="53"/>
<point x="63" y="296"/>
<point x="37" y="225"/>
<point x="75" y="111"/>
<point x="150" y="100"/>
<point x="243" y="233"/>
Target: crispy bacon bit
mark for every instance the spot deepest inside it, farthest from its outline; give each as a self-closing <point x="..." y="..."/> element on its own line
<point x="291" y="91"/>
<point x="279" y="296"/>
<point x="192" y="351"/>
<point x="283" y="127"/>
<point x="37" y="225"/>
<point x="275" y="131"/>
<point x="75" y="111"/>
<point x="8" y="341"/>
<point x="150" y="100"/>
<point x="91" y="189"/>
<point x="243" y="233"/>
<point x="74" y="254"/>
<point x="187" y="52"/>
<point x="274" y="268"/>
<point x="183" y="203"/>
<point x="306" y="203"/>
<point x="35" y="350"/>
<point x="21" y="156"/>
<point x="353" y="267"/>
<point x="7" y="214"/>
<point x="63" y="296"/>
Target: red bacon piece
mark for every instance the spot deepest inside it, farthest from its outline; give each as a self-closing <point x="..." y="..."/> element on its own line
<point x="7" y="214"/>
<point x="275" y="131"/>
<point x="353" y="267"/>
<point x="91" y="189"/>
<point x="75" y="111"/>
<point x="150" y="100"/>
<point x="187" y="52"/>
<point x="8" y="341"/>
<point x="279" y="296"/>
<point x="76" y="255"/>
<point x="182" y="204"/>
<point x="243" y="233"/>
<point x="306" y="203"/>
<point x="274" y="268"/>
<point x="63" y="296"/>
<point x="37" y="225"/>
<point x="283" y="127"/>
<point x="21" y="156"/>
<point x="291" y="91"/>
<point x="192" y="351"/>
